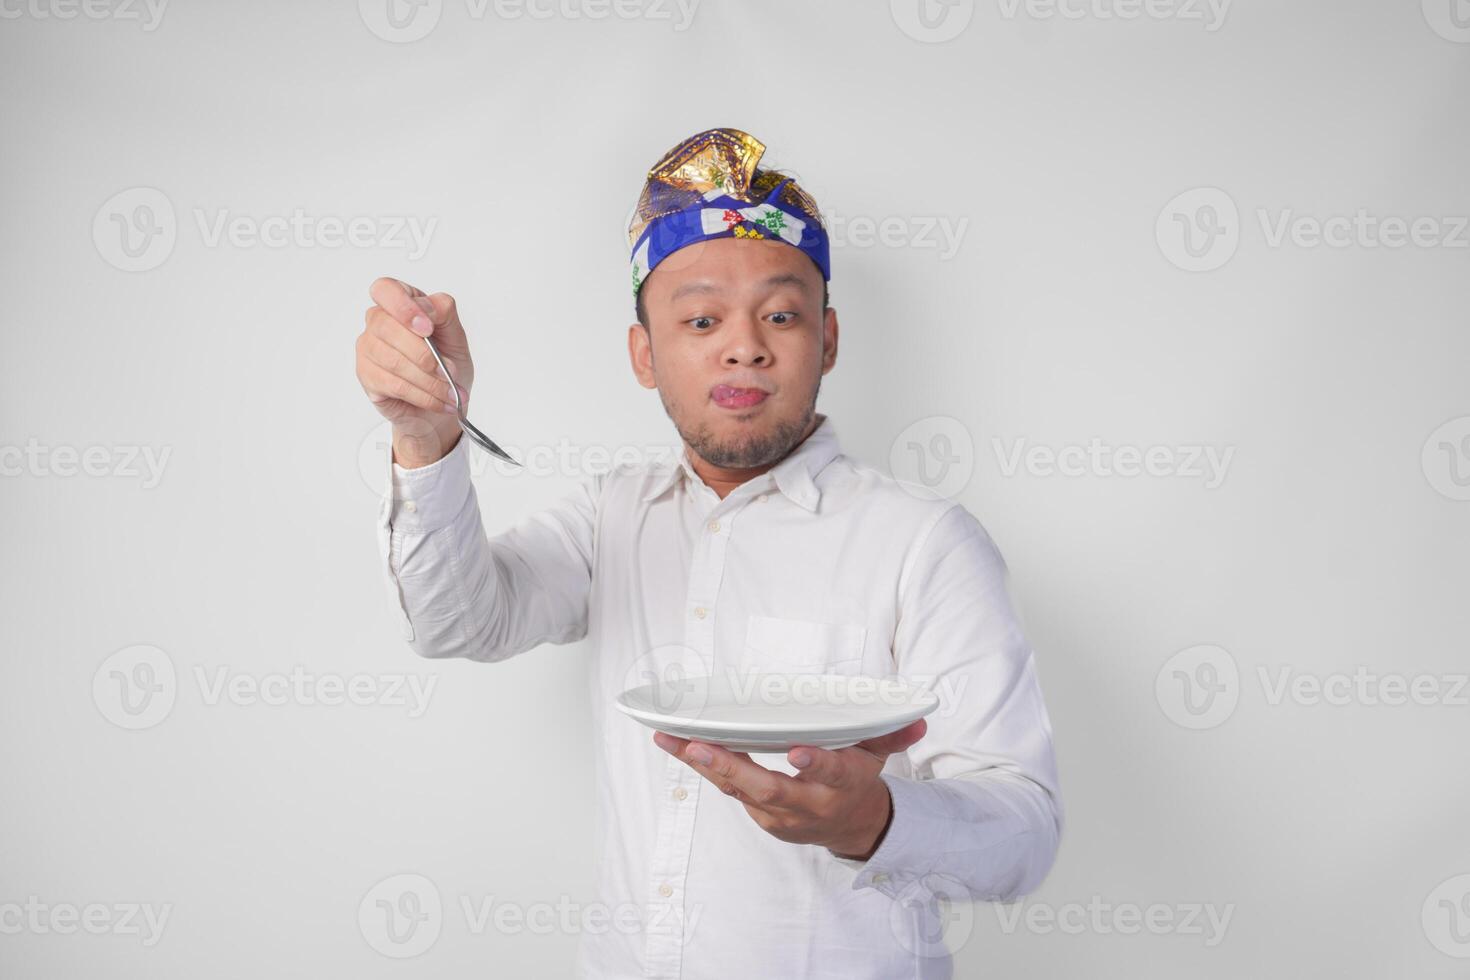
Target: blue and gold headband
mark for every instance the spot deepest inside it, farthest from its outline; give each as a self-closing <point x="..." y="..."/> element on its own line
<point x="708" y="187"/>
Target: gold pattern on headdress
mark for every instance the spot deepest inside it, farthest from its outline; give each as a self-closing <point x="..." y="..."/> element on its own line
<point x="721" y="160"/>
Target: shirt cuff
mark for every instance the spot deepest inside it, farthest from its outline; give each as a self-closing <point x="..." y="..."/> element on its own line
<point x="428" y="498"/>
<point x="884" y="869"/>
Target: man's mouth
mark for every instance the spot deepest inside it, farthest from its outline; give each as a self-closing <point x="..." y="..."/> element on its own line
<point x="727" y="397"/>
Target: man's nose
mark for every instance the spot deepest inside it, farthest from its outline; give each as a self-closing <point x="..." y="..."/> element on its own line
<point x="746" y="343"/>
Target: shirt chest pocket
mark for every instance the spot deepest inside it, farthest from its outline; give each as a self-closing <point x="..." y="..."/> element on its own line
<point x="801" y="646"/>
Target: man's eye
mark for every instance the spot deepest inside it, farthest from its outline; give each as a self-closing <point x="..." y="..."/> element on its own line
<point x="782" y="318"/>
<point x="701" y="322"/>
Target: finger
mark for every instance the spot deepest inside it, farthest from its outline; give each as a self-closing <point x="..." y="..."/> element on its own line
<point x="449" y="332"/>
<point x="381" y="385"/>
<point x="737" y="775"/>
<point x="394" y="361"/>
<point x="680" y="748"/>
<point x="412" y="345"/>
<point x="672" y="744"/>
<point x="402" y="352"/>
<point x="404" y="303"/>
<point x="885" y="745"/>
<point x="382" y="324"/>
<point x="829" y="768"/>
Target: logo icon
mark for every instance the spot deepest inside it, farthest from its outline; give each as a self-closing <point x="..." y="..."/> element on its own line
<point x="1446" y="917"/>
<point x="932" y="21"/>
<point x="400" y="21"/>
<point x="1450" y="19"/>
<point x="1199" y="230"/>
<point x="374" y="456"/>
<point x="1446" y="458"/>
<point x="1198" y="687"/>
<point x="135" y="230"/>
<point x="135" y="688"/>
<point x="401" y="916"/>
<point x="933" y="916"/>
<point x="934" y="457"/>
<point x="678" y="675"/>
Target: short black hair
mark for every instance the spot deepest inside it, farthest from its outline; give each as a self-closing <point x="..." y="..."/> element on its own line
<point x="642" y="310"/>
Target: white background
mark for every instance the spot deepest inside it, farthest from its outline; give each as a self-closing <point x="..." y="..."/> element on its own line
<point x="1054" y="141"/>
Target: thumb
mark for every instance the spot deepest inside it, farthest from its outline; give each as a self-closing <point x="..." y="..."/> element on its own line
<point x="886" y="745"/>
<point x="448" y="332"/>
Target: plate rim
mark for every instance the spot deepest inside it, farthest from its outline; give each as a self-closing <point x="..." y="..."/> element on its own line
<point x="927" y="702"/>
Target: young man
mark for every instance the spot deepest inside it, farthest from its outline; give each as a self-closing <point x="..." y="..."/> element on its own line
<point x="762" y="548"/>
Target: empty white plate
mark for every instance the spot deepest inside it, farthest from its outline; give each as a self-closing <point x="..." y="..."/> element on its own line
<point x="774" y="712"/>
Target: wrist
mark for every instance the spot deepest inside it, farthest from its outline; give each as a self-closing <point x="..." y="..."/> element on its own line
<point x="866" y="844"/>
<point x="420" y="443"/>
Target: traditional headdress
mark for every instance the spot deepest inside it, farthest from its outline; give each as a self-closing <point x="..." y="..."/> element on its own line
<point x="708" y="187"/>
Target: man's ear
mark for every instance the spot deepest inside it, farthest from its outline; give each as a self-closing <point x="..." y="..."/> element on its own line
<point x="829" y="340"/>
<point x="640" y="354"/>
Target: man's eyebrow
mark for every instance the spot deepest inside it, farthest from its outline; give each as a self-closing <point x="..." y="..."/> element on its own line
<point x="698" y="286"/>
<point x="705" y="286"/>
<point x="787" y="279"/>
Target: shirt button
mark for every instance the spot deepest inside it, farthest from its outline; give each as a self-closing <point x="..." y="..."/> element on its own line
<point x="665" y="890"/>
<point x="681" y="793"/>
<point x="699" y="612"/>
<point x="714" y="527"/>
<point x="761" y="499"/>
<point x="879" y="878"/>
<point x="410" y="506"/>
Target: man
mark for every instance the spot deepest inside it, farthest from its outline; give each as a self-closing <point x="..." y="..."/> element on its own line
<point x="762" y="548"/>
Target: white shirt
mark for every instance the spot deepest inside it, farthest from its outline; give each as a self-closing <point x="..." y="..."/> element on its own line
<point x="820" y="565"/>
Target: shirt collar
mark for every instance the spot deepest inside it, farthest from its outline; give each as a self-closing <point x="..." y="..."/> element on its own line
<point x="794" y="476"/>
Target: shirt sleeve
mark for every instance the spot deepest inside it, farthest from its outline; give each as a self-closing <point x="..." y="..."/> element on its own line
<point x="456" y="592"/>
<point x="981" y="817"/>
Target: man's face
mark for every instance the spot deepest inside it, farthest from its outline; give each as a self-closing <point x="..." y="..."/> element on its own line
<point x="736" y="345"/>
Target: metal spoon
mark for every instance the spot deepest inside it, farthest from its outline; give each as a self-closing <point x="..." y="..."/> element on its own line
<point x="484" y="441"/>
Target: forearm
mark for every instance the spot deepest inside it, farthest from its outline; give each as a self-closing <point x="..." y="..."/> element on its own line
<point x="447" y="585"/>
<point x="461" y="593"/>
<point x="436" y="554"/>
<point x="995" y="834"/>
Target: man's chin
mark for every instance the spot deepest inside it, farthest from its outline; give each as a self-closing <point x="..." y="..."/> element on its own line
<point x="746" y="440"/>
